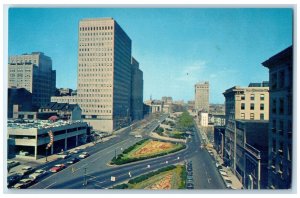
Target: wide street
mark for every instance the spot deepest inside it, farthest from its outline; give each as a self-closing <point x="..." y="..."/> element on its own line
<point x="95" y="173"/>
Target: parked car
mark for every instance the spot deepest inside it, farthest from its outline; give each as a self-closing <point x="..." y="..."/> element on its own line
<point x="190" y="173"/>
<point x="84" y="155"/>
<point x="38" y="174"/>
<point x="189" y="168"/>
<point x="13" y="179"/>
<point x="57" y="168"/>
<point x="222" y="172"/>
<point x="12" y="163"/>
<point x="189" y="177"/>
<point x="24" y="183"/>
<point x="23" y="153"/>
<point x="73" y="160"/>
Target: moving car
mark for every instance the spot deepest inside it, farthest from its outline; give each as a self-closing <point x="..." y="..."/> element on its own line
<point x="73" y="160"/>
<point x="84" y="155"/>
<point x="77" y="150"/>
<point x="57" y="168"/>
<point x="38" y="174"/>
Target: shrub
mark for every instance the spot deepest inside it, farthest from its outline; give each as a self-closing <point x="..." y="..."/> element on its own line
<point x="121" y="186"/>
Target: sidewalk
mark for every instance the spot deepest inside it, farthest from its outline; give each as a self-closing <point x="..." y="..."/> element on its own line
<point x="230" y="179"/>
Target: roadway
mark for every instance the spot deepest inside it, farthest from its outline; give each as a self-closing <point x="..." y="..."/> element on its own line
<point x="94" y="172"/>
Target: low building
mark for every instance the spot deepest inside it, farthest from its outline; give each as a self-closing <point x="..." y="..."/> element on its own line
<point x="203" y="118"/>
<point x="252" y="153"/>
<point x="65" y="111"/>
<point x="31" y="138"/>
<point x="217" y="120"/>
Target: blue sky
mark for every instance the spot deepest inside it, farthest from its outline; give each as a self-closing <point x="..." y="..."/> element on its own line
<point x="176" y="48"/>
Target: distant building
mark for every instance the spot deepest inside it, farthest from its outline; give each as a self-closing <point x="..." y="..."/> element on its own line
<point x="281" y="116"/>
<point x="136" y="91"/>
<point x="217" y="120"/>
<point x="217" y="109"/>
<point x="167" y="99"/>
<point x="65" y="91"/>
<point x="203" y="119"/>
<point x="19" y="99"/>
<point x="34" y="73"/>
<point x="252" y="153"/>
<point x="202" y="97"/>
<point x="242" y="103"/>
<point x="65" y="99"/>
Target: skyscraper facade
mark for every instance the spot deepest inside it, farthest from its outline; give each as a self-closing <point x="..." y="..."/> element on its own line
<point x="104" y="74"/>
<point x="202" y="97"/>
<point x="34" y="73"/>
<point x="281" y="117"/>
<point x="136" y="91"/>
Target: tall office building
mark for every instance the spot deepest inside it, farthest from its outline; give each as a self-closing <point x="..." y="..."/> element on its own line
<point x="202" y="97"/>
<point x="280" y="125"/>
<point x="136" y="91"/>
<point x="34" y="73"/>
<point x="243" y="103"/>
<point x="104" y="74"/>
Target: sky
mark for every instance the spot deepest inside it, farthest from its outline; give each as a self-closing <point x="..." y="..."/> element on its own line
<point x="176" y="48"/>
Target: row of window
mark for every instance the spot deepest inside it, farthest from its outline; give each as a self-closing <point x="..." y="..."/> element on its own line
<point x="96" y="106"/>
<point x="96" y="33"/>
<point x="95" y="59"/>
<point x="104" y="49"/>
<point x="97" y="39"/>
<point x="96" y="95"/>
<point x="279" y="126"/>
<point x="93" y="85"/>
<point x="95" y="69"/>
<point x="107" y="80"/>
<point x="252" y="106"/>
<point x="106" y="64"/>
<point x="252" y="97"/>
<point x="105" y="75"/>
<point x="96" y="111"/>
<point x="252" y="116"/>
<point x="278" y="105"/>
<point x="96" y="28"/>
<point x="95" y="54"/>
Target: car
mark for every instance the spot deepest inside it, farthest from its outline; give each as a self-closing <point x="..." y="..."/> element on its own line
<point x="63" y="155"/>
<point x="189" y="177"/>
<point x="38" y="174"/>
<point x="222" y="172"/>
<point x="190" y="173"/>
<point x="24" y="183"/>
<point x="13" y="179"/>
<point x="57" y="168"/>
<point x="73" y="161"/>
<point x="77" y="150"/>
<point x="23" y="153"/>
<point x="190" y="186"/>
<point x="84" y="155"/>
<point x="12" y="163"/>
<point x="189" y="168"/>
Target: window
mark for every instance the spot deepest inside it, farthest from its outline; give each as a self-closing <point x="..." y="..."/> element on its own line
<point x="281" y="79"/>
<point x="252" y="106"/>
<point x="280" y="150"/>
<point x="274" y="106"/>
<point x="274" y="126"/>
<point x="242" y="116"/>
<point x="252" y="97"/>
<point x="251" y="116"/>
<point x="280" y="127"/>
<point x="274" y="80"/>
<point x="242" y="97"/>
<point x="281" y="105"/>
<point x="242" y="106"/>
<point x="274" y="145"/>
<point x="262" y="96"/>
<point x="262" y="107"/>
<point x="262" y="116"/>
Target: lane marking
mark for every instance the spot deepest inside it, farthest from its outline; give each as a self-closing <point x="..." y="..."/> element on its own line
<point x="50" y="185"/>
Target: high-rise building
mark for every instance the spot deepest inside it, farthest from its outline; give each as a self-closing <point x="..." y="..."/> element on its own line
<point x="202" y="97"/>
<point x="104" y="74"/>
<point x="136" y="91"/>
<point x="242" y="103"/>
<point x="34" y="73"/>
<point x="281" y="112"/>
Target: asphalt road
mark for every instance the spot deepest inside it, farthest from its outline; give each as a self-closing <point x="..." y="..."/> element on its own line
<point x="94" y="173"/>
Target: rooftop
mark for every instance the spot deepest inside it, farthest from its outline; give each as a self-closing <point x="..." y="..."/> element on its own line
<point x="38" y="124"/>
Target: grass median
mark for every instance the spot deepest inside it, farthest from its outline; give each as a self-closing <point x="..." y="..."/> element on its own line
<point x="146" y="149"/>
